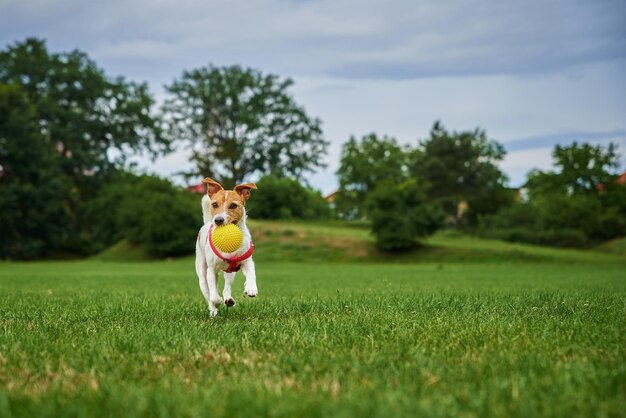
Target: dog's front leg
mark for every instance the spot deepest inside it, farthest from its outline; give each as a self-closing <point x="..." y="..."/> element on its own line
<point x="228" y="282"/>
<point x="248" y="271"/>
<point x="214" y="297"/>
<point x="201" y="270"/>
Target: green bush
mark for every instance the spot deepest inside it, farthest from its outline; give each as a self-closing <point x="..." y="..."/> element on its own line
<point x="556" y="238"/>
<point x="517" y="215"/>
<point x="149" y="211"/>
<point x="34" y="195"/>
<point x="286" y="198"/>
<point x="561" y="220"/>
<point x="527" y="223"/>
<point x="400" y="214"/>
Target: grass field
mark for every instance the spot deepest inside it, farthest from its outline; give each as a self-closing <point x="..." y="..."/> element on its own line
<point x="464" y="328"/>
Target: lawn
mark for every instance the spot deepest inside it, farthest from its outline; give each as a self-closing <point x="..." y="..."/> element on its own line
<point x="499" y="337"/>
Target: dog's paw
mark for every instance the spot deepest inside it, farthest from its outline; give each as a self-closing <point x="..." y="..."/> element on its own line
<point x="212" y="312"/>
<point x="230" y="302"/>
<point x="251" y="291"/>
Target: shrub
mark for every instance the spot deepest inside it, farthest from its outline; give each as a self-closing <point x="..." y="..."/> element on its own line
<point x="560" y="222"/>
<point x="286" y="198"/>
<point x="400" y="214"/>
<point x="562" y="219"/>
<point x="556" y="237"/>
<point x="517" y="215"/>
<point x="34" y="195"/>
<point x="149" y="211"/>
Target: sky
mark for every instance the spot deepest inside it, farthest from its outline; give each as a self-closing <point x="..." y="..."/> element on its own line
<point x="533" y="74"/>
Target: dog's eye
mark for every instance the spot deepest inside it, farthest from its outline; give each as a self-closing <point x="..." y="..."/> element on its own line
<point x="214" y="204"/>
<point x="233" y="206"/>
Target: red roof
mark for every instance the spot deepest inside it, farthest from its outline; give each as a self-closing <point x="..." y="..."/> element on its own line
<point x="198" y="188"/>
<point x="621" y="179"/>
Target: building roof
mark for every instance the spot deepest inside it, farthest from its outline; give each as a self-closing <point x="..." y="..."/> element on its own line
<point x="331" y="197"/>
<point x="197" y="188"/>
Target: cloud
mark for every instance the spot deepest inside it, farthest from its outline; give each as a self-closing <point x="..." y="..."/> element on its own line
<point x="617" y="136"/>
<point x="145" y="50"/>
<point x="398" y="39"/>
<point x="532" y="73"/>
<point x="517" y="164"/>
<point x="170" y="165"/>
<point x="514" y="38"/>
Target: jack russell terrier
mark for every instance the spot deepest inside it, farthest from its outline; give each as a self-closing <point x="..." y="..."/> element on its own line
<point x="221" y="207"/>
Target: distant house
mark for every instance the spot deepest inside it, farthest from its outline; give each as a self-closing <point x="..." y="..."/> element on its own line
<point x="331" y="197"/>
<point x="621" y="179"/>
<point x="520" y="194"/>
<point x="197" y="188"/>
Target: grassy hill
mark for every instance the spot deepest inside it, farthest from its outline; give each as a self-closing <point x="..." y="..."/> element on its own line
<point x="616" y="246"/>
<point x="337" y="241"/>
<point x="344" y="242"/>
<point x="124" y="251"/>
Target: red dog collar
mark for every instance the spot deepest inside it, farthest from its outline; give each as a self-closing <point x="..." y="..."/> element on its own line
<point x="234" y="264"/>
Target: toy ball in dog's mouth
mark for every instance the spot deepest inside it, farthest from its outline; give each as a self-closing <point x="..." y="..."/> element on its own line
<point x="227" y="238"/>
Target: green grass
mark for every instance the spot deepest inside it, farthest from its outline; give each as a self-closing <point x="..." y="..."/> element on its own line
<point x="94" y="338"/>
<point x="335" y="242"/>
<point x="124" y="251"/>
<point x="340" y="242"/>
<point x="616" y="246"/>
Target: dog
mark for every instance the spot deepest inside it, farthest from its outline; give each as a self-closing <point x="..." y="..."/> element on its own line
<point x="221" y="207"/>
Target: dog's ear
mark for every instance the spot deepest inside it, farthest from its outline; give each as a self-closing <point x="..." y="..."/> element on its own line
<point x="244" y="190"/>
<point x="212" y="186"/>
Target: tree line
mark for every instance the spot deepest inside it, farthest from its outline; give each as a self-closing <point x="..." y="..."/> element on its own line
<point x="68" y="130"/>
<point x="452" y="179"/>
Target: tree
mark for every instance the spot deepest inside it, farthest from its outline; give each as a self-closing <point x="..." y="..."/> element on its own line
<point x="578" y="204"/>
<point x="148" y="211"/>
<point x="580" y="169"/>
<point x="32" y="191"/>
<point x="365" y="164"/>
<point x="92" y="121"/>
<point x="286" y="198"/>
<point x="240" y="122"/>
<point x="401" y="213"/>
<point x="461" y="166"/>
<point x="86" y="122"/>
<point x="582" y="193"/>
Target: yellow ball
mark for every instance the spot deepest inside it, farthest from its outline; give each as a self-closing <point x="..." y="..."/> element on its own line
<point x="227" y="238"/>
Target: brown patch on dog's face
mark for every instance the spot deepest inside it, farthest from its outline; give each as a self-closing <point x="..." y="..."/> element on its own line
<point x="228" y="202"/>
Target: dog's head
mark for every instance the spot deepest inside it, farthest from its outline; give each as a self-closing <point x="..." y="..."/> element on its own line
<point x="227" y="206"/>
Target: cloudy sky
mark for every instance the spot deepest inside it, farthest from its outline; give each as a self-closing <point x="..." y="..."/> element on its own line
<point x="532" y="73"/>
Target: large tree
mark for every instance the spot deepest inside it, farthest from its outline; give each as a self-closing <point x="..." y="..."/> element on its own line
<point x="462" y="167"/>
<point x="92" y="121"/>
<point x="32" y="190"/>
<point x="240" y="122"/>
<point x="580" y="169"/>
<point x="79" y="127"/>
<point x="364" y="165"/>
<point x="582" y="193"/>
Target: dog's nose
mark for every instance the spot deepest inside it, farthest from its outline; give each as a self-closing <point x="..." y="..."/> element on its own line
<point x="219" y="221"/>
